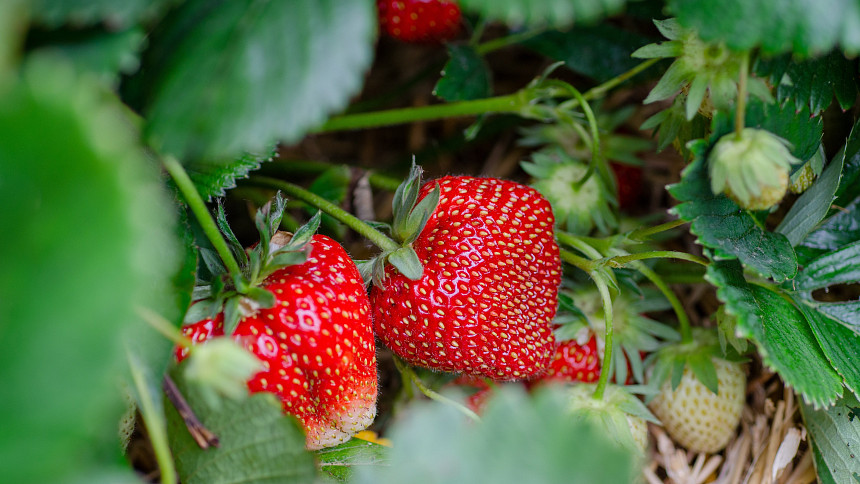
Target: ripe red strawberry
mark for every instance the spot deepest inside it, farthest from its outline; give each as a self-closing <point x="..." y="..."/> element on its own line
<point x="575" y="362"/>
<point x="489" y="287"/>
<point x="629" y="178"/>
<point x="316" y="344"/>
<point x="419" y="20"/>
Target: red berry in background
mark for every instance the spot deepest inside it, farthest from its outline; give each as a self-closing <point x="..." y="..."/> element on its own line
<point x="489" y="288"/>
<point x="574" y="362"/>
<point x="316" y="344"/>
<point x="629" y="180"/>
<point x="419" y="20"/>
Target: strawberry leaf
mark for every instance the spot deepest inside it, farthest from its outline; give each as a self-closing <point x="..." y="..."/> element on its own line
<point x="799" y="26"/>
<point x="434" y="442"/>
<point x="247" y="430"/>
<point x="812" y="206"/>
<point x="781" y="333"/>
<point x="834" y="433"/>
<point x="466" y="76"/>
<point x="543" y="13"/>
<point x="213" y="179"/>
<point x="340" y="462"/>
<point x="813" y="83"/>
<point x="225" y="78"/>
<point x="839" y="343"/>
<point x="722" y="226"/>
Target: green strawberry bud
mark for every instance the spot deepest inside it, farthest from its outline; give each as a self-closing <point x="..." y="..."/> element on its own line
<point x="221" y="367"/>
<point x="752" y="169"/>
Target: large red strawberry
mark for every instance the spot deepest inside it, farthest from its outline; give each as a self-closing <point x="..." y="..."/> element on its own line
<point x="419" y="20"/>
<point x="315" y="342"/>
<point x="488" y="291"/>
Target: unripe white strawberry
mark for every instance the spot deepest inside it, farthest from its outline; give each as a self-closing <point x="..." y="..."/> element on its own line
<point x="697" y="418"/>
<point x="621" y="415"/>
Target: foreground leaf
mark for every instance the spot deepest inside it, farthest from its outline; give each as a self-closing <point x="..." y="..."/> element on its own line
<point x="520" y="439"/>
<point x="340" y="462"/>
<point x="214" y="179"/>
<point x="89" y="12"/>
<point x="834" y="433"/>
<point x="780" y="332"/>
<point x="87" y="239"/>
<point x="543" y="13"/>
<point x="233" y="77"/>
<point x="257" y="442"/>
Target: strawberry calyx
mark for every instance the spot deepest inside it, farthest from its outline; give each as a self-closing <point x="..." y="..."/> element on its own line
<point x="668" y="363"/>
<point x="410" y="216"/>
<point x="751" y="167"/>
<point x="240" y="296"/>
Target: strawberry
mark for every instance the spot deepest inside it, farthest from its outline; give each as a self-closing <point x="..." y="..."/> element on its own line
<point x="315" y="340"/>
<point x="629" y="178"/>
<point x="575" y="362"/>
<point x="419" y="20"/>
<point x="484" y="300"/>
<point x="701" y="406"/>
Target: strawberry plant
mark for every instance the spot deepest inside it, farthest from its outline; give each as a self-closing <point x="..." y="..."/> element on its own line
<point x="429" y="240"/>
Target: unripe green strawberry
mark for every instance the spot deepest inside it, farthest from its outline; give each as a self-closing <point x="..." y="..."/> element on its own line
<point x="751" y="168"/>
<point x="697" y="418"/>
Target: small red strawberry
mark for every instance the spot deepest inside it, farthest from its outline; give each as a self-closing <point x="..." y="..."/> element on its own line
<point x="488" y="291"/>
<point x="575" y="362"/>
<point x="629" y="178"/>
<point x="315" y="341"/>
<point x="419" y="20"/>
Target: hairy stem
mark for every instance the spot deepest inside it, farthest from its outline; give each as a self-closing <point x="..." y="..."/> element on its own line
<point x="740" y="114"/>
<point x="579" y="262"/>
<point x="378" y="238"/>
<point x="198" y="207"/>
<point x="575" y="242"/>
<point x="405" y="369"/>
<point x="680" y="313"/>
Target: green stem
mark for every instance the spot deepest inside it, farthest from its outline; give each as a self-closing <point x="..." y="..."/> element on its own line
<point x="313" y="167"/>
<point x="512" y="103"/>
<point x="405" y="369"/>
<point x="680" y="313"/>
<point x="155" y="424"/>
<point x="578" y="244"/>
<point x="164" y="327"/>
<point x="502" y="42"/>
<point x="622" y="260"/>
<point x="198" y="206"/>
<point x="378" y="238"/>
<point x="740" y="114"/>
<point x="647" y="232"/>
<point x="579" y="262"/>
<point x="606" y="363"/>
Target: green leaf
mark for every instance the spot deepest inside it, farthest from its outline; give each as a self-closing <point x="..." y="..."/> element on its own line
<point x="407" y="262"/>
<point x="88" y="237"/>
<point x="333" y="185"/>
<point x="543" y="13"/>
<point x="781" y="333"/>
<point x="601" y="52"/>
<point x="257" y="442"/>
<point x="813" y="83"/>
<point x="841" y="266"/>
<point x="840" y="344"/>
<point x="213" y="179"/>
<point x="520" y="439"/>
<point x="722" y="226"/>
<point x="812" y="206"/>
<point x="232" y="77"/>
<point x="799" y="26"/>
<point x="106" y="54"/>
<point x="339" y="462"/>
<point x="89" y="12"/>
<point x="466" y="76"/>
<point x="834" y="434"/>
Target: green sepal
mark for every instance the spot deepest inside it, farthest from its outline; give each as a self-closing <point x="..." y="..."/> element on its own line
<point x="232" y="314"/>
<point x="406" y="261"/>
<point x="232" y="242"/>
<point x="419" y="216"/>
<point x="202" y="292"/>
<point x="212" y="262"/>
<point x="404" y="199"/>
<point x="304" y="234"/>
<point x="268" y="219"/>
<point x="704" y="370"/>
<point x="205" y="309"/>
<point x="283" y="259"/>
<point x="677" y="373"/>
<point x="262" y="297"/>
<point x="669" y="361"/>
<point x="365" y="269"/>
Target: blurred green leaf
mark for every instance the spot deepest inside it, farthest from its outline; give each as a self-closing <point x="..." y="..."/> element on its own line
<point x="781" y="333"/>
<point x="466" y="76"/>
<point x="233" y="77"/>
<point x="520" y="439"/>
<point x="118" y="13"/>
<point x="340" y="462"/>
<point x="835" y="432"/>
<point x="106" y="54"/>
<point x="812" y="206"/>
<point x="601" y="52"/>
<point x="799" y="26"/>
<point x="257" y="442"/>
<point x="213" y="179"/>
<point x="87" y="239"/>
<point x="722" y="226"/>
<point x="13" y="27"/>
<point x="813" y="83"/>
<point x="543" y="13"/>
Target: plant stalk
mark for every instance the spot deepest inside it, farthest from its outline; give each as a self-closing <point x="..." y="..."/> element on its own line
<point x="606" y="363"/>
<point x="622" y="260"/>
<point x="740" y="114"/>
<point x="647" y="232"/>
<point x="680" y="313"/>
<point x="406" y="370"/>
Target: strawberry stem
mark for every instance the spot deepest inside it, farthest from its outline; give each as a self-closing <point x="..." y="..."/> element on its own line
<point x="406" y="370"/>
<point x="315" y="167"/>
<point x="606" y="363"/>
<point x="579" y="262"/>
<point x="622" y="260"/>
<point x="378" y="238"/>
<point x="578" y="244"/>
<point x="740" y="114"/>
<point x="646" y="232"/>
<point x="164" y="327"/>
<point x="153" y="418"/>
<point x="198" y="206"/>
<point x="680" y="313"/>
<point x="512" y="103"/>
<point x="502" y="42"/>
